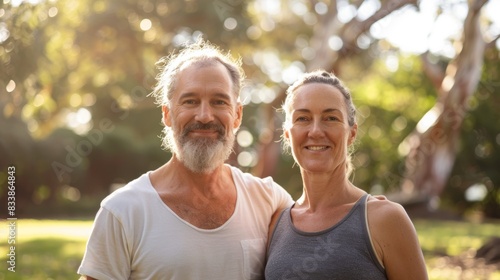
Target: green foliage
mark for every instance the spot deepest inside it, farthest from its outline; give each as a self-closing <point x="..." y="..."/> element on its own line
<point x="390" y="103"/>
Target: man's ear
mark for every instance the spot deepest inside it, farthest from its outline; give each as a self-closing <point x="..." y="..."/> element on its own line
<point x="353" y="133"/>
<point x="239" y="116"/>
<point x="286" y="133"/>
<point x="165" y="115"/>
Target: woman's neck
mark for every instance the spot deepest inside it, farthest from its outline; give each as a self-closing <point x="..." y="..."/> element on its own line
<point x="325" y="190"/>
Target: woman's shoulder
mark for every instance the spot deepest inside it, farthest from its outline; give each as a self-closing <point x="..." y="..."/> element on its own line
<point x="395" y="239"/>
<point x="382" y="210"/>
<point x="389" y="226"/>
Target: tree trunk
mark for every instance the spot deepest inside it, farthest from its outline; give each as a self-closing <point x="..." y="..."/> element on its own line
<point x="433" y="144"/>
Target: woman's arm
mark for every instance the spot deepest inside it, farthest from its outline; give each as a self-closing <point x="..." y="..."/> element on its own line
<point x="395" y="240"/>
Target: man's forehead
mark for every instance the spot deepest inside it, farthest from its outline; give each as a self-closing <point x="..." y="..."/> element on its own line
<point x="201" y="62"/>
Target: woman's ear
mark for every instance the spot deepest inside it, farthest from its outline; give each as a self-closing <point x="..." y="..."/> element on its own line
<point x="165" y="115"/>
<point x="352" y="134"/>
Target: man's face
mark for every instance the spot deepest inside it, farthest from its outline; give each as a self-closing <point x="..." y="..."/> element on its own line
<point x="203" y="115"/>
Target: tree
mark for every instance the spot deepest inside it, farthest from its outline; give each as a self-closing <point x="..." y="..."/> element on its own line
<point x="475" y="170"/>
<point x="431" y="151"/>
<point x="79" y="73"/>
<point x="433" y="148"/>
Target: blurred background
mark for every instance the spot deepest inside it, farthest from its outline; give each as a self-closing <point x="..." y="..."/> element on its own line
<point x="76" y="120"/>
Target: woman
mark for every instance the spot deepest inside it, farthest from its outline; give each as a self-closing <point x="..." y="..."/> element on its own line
<point x="335" y="230"/>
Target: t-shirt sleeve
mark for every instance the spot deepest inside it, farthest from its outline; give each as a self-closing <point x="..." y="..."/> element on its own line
<point x="282" y="198"/>
<point x="107" y="255"/>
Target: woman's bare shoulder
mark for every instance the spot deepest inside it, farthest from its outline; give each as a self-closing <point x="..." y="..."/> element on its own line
<point x="383" y="210"/>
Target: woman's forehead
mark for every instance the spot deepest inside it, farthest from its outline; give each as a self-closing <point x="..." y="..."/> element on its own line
<point x="317" y="94"/>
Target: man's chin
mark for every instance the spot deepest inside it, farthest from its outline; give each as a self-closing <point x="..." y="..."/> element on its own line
<point x="203" y="141"/>
<point x="200" y="168"/>
<point x="203" y="156"/>
<point x="213" y="135"/>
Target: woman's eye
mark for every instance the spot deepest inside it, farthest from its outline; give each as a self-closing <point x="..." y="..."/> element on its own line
<point x="332" y="118"/>
<point x="301" y="119"/>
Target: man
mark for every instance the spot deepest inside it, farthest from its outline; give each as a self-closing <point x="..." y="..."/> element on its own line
<point x="195" y="217"/>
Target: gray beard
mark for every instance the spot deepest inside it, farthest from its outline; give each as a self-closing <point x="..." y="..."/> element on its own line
<point x="204" y="155"/>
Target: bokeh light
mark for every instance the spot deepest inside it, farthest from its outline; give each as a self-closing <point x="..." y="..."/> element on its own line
<point x="244" y="138"/>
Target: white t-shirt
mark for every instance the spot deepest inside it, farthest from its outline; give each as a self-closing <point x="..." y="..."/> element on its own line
<point x="137" y="236"/>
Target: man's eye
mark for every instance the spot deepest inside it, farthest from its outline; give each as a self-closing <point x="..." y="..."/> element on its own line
<point x="189" y="102"/>
<point x="220" y="102"/>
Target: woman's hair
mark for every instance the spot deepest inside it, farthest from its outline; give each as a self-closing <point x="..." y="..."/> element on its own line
<point x="200" y="53"/>
<point x="322" y="77"/>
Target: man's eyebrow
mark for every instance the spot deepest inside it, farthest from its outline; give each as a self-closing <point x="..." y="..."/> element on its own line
<point x="223" y="96"/>
<point x="217" y="95"/>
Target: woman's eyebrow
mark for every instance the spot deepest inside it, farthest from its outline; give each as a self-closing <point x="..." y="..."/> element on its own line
<point x="329" y="110"/>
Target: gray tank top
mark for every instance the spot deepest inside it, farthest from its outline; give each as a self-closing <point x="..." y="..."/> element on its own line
<point x="343" y="251"/>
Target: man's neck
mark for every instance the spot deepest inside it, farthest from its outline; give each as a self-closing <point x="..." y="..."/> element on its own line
<point x="205" y="200"/>
<point x="175" y="173"/>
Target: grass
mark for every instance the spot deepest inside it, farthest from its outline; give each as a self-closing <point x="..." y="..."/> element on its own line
<point x="45" y="249"/>
<point x="52" y="249"/>
<point x="449" y="248"/>
<point x="451" y="237"/>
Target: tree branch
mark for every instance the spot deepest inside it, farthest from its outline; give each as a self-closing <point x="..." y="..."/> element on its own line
<point x="355" y="28"/>
<point x="432" y="71"/>
<point x="492" y="42"/>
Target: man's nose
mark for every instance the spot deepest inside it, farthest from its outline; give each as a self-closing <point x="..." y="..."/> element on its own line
<point x="205" y="113"/>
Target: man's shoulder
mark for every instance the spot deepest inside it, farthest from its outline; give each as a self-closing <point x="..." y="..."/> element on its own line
<point x="250" y="179"/>
<point x="130" y="192"/>
<point x="255" y="184"/>
<point x="261" y="191"/>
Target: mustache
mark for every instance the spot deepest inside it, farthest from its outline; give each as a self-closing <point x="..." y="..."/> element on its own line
<point x="204" y="126"/>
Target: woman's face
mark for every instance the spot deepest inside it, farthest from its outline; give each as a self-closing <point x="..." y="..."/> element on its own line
<point x="319" y="132"/>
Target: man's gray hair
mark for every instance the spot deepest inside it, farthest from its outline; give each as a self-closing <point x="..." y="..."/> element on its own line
<point x="203" y="53"/>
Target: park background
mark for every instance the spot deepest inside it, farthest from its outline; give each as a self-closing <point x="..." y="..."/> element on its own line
<point x="77" y="123"/>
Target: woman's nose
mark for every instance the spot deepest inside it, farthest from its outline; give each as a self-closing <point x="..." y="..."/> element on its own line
<point x="315" y="129"/>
